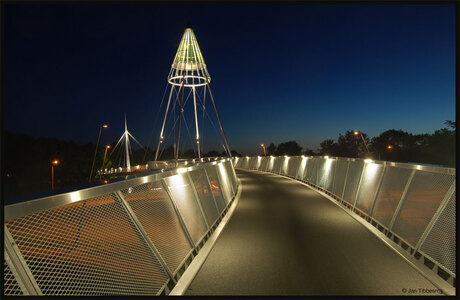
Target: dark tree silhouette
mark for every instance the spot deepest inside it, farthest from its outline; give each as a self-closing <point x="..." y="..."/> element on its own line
<point x="329" y="147"/>
<point x="288" y="148"/>
<point x="351" y="145"/>
<point x="271" y="149"/>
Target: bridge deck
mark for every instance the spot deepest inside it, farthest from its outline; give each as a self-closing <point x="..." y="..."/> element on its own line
<point x="286" y="239"/>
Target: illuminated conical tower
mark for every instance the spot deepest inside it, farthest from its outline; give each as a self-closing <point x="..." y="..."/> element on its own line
<point x="188" y="73"/>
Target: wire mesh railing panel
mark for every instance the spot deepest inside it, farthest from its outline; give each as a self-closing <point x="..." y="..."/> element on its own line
<point x="339" y="180"/>
<point x="425" y="193"/>
<point x="231" y="174"/>
<point x="214" y="182"/>
<point x="310" y="174"/>
<point x="271" y="164"/>
<point x="252" y="163"/>
<point x="285" y="165"/>
<point x="225" y="183"/>
<point x="440" y="243"/>
<point x="87" y="247"/>
<point x="264" y="163"/>
<point x="237" y="161"/>
<point x="326" y="173"/>
<point x="301" y="169"/>
<point x="278" y="163"/>
<point x="294" y="164"/>
<point x="10" y="284"/>
<point x="245" y="163"/>
<point x="205" y="195"/>
<point x="155" y="211"/>
<point x="187" y="205"/>
<point x="354" y="173"/>
<point x="369" y="184"/>
<point x="257" y="161"/>
<point x="394" y="181"/>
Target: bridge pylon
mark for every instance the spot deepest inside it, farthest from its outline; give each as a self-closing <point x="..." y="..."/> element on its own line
<point x="189" y="76"/>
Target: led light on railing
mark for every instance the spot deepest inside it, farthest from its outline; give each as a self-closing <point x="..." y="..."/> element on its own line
<point x="326" y="157"/>
<point x="368" y="160"/>
<point x="214" y="163"/>
<point x="75" y="196"/>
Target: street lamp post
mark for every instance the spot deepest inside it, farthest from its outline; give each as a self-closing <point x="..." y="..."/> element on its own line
<point x="105" y="154"/>
<point x="95" y="151"/>
<point x="362" y="137"/>
<point x="53" y="163"/>
<point x="263" y="147"/>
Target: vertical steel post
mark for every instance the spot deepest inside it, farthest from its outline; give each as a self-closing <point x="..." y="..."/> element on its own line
<point x="23" y="273"/>
<point x="160" y="140"/>
<point x="137" y="227"/>
<point x="335" y="174"/>
<point x="359" y="185"/>
<point x="196" y="124"/>
<point x="345" y="181"/>
<point x="435" y="217"/>
<point x="218" y="118"/>
<point x="401" y="201"/>
<point x="377" y="191"/>
<point x="15" y="273"/>
<point x="180" y="118"/>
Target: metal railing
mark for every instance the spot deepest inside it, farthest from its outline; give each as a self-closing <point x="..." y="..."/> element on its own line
<point x="132" y="237"/>
<point x="156" y="165"/>
<point x="414" y="205"/>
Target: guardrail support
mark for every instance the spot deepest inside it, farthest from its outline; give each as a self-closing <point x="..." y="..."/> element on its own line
<point x="179" y="216"/>
<point x="13" y="270"/>
<point x="345" y="181"/>
<point x="435" y="217"/>
<point x="197" y="199"/>
<point x="137" y="226"/>
<point x="359" y="186"/>
<point x="401" y="201"/>
<point x="23" y="274"/>
<point x="377" y="191"/>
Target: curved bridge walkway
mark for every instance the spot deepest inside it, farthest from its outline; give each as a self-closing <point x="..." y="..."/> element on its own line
<point x="286" y="239"/>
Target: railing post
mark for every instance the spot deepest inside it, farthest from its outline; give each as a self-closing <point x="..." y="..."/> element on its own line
<point x="197" y="199"/>
<point x="23" y="274"/>
<point x="435" y="217"/>
<point x="179" y="216"/>
<point x="333" y="176"/>
<point x="137" y="226"/>
<point x="377" y="191"/>
<point x="15" y="273"/>
<point x="401" y="201"/>
<point x="345" y="181"/>
<point x="359" y="185"/>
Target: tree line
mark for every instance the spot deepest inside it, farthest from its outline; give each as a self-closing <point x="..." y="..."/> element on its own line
<point x="27" y="160"/>
<point x="391" y="145"/>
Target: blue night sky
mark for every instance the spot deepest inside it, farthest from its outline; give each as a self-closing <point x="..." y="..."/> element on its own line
<point x="303" y="72"/>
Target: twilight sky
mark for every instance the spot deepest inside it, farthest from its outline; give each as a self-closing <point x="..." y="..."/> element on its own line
<point x="280" y="72"/>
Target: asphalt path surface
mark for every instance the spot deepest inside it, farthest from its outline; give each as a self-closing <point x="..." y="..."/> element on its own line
<point x="286" y="239"/>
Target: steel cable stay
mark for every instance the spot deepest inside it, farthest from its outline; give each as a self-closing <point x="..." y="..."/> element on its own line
<point x="155" y="121"/>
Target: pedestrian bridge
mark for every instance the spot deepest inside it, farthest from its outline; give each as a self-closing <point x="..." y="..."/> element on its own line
<point x="276" y="226"/>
